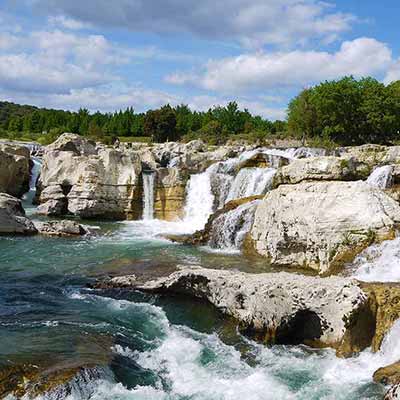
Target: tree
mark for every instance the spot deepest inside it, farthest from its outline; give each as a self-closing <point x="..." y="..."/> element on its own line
<point x="160" y="124"/>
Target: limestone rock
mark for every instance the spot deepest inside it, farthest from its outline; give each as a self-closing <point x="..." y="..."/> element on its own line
<point x="277" y="307"/>
<point x="90" y="181"/>
<point x="322" y="225"/>
<point x="170" y="193"/>
<point x="12" y="217"/>
<point x="60" y="228"/>
<point x="14" y="169"/>
<point x="321" y="169"/>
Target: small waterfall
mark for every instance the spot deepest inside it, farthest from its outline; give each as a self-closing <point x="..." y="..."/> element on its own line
<point x="199" y="201"/>
<point x="251" y="182"/>
<point x="148" y="195"/>
<point x="229" y="230"/>
<point x="381" y="177"/>
<point x="35" y="172"/>
<point x="378" y="263"/>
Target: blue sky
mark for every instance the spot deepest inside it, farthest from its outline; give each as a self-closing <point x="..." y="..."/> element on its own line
<point x="106" y="55"/>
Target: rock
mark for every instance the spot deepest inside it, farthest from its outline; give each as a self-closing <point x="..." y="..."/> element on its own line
<point x="321" y="169"/>
<point x="393" y="393"/>
<point x="170" y="194"/>
<point x="385" y="303"/>
<point x="12" y="217"/>
<point x="60" y="228"/>
<point x="95" y="182"/>
<point x="374" y="154"/>
<point x="279" y="308"/>
<point x="15" y="169"/>
<point x="389" y="375"/>
<point x="53" y="201"/>
<point x="322" y="225"/>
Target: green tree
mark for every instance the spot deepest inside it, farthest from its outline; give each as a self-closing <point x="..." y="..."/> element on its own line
<point x="160" y="125"/>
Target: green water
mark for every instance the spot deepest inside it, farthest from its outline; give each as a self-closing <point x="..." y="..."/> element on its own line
<point x="152" y="347"/>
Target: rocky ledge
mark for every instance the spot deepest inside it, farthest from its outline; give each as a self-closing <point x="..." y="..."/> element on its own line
<point x="283" y="308"/>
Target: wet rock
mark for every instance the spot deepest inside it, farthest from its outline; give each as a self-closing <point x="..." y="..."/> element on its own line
<point x="15" y="169"/>
<point x="60" y="228"/>
<point x="277" y="307"/>
<point x="322" y="225"/>
<point x="389" y="375"/>
<point x="12" y="217"/>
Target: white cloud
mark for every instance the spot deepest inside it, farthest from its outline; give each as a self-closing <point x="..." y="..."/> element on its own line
<point x="258" y="71"/>
<point x="68" y="23"/>
<point x="56" y="61"/>
<point x="253" y="23"/>
<point x="393" y="73"/>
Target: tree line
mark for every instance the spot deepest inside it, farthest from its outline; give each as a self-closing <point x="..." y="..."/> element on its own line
<point x="345" y="112"/>
<point x="164" y="124"/>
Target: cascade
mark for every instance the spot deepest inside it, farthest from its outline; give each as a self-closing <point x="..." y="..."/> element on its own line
<point x="199" y="201"/>
<point x="381" y="177"/>
<point x="229" y="230"/>
<point x="251" y="182"/>
<point x="148" y="195"/>
<point x="35" y="172"/>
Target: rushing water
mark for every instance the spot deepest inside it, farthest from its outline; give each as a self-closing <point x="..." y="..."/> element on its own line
<point x="152" y="347"/>
<point x="148" y="195"/>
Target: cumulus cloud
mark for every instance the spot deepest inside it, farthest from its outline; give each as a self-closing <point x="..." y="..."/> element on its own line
<point x="253" y="23"/>
<point x="56" y="61"/>
<point x="360" y="57"/>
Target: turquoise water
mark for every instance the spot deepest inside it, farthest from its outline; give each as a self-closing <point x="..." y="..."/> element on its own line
<point x="152" y="347"/>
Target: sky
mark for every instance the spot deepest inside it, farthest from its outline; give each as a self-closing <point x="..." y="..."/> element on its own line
<point x="106" y="55"/>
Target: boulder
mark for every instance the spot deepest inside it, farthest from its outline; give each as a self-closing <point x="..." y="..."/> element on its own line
<point x="277" y="307"/>
<point x="14" y="169"/>
<point x="90" y="181"/>
<point x="12" y="217"/>
<point x="60" y="228"/>
<point x="322" y="225"/>
<point x="321" y="169"/>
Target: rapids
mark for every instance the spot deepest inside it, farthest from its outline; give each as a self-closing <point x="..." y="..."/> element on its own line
<point x="157" y="348"/>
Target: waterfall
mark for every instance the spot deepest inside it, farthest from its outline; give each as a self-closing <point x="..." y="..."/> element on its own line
<point x="229" y="230"/>
<point x="381" y="177"/>
<point x="148" y="195"/>
<point x="35" y="172"/>
<point x="210" y="190"/>
<point x="199" y="201"/>
<point x="251" y="182"/>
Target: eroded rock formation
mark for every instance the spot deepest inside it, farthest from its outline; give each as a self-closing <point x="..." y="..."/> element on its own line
<point x="321" y="225"/>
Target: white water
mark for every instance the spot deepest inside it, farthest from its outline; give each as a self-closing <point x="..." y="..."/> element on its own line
<point x="199" y="201"/>
<point x="199" y="366"/>
<point x="229" y="230"/>
<point x="251" y="182"/>
<point x="35" y="172"/>
<point x="148" y="195"/>
<point x="378" y="263"/>
<point x="381" y="177"/>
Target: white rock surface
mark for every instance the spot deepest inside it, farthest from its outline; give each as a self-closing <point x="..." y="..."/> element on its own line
<point x="319" y="224"/>
<point x="279" y="307"/>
